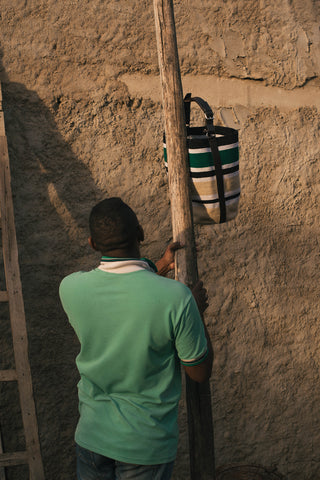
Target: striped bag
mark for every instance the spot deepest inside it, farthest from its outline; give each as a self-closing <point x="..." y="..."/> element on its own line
<point x="214" y="167"/>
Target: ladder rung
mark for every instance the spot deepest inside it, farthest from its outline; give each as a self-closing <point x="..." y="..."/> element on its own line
<point x="10" y="459"/>
<point x="8" y="375"/>
<point x="4" y="296"/>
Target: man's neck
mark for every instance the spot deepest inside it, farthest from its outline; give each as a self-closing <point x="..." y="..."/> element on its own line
<point x="122" y="253"/>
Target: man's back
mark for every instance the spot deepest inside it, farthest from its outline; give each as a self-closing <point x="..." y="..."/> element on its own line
<point x="133" y="328"/>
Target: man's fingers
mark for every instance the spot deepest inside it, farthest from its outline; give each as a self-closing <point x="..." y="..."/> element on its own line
<point x="175" y="246"/>
<point x="199" y="287"/>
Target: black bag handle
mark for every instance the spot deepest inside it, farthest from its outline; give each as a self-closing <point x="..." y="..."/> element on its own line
<point x="210" y="132"/>
<point x="205" y="107"/>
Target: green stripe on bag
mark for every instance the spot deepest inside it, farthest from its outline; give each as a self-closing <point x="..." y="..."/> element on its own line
<point x="229" y="156"/>
<point x="202" y="160"/>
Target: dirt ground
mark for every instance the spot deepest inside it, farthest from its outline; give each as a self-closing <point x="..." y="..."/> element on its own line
<point x="84" y="121"/>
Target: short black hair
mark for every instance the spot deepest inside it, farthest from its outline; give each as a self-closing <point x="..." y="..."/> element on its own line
<point x="113" y="224"/>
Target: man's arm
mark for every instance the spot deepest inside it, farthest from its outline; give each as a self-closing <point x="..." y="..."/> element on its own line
<point x="202" y="372"/>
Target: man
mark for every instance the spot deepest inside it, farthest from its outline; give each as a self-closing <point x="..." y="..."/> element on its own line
<point x="135" y="329"/>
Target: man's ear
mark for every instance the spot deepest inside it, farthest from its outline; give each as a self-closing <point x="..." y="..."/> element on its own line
<point x="140" y="235"/>
<point x="91" y="243"/>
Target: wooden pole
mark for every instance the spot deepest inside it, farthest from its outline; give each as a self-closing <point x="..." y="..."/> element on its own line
<point x="198" y="395"/>
<point x="176" y="142"/>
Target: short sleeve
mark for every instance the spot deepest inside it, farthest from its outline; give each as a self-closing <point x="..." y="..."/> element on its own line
<point x="190" y="338"/>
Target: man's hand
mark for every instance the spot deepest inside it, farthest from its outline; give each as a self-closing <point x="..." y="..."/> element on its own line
<point x="201" y="296"/>
<point x="166" y="263"/>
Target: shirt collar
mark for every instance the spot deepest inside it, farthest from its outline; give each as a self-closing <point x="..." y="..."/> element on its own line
<point x="126" y="265"/>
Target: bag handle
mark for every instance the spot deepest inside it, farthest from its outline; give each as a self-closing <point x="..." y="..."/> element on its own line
<point x="210" y="132"/>
<point x="205" y="107"/>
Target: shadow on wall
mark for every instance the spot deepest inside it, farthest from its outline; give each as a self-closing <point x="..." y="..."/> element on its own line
<point x="265" y="402"/>
<point x="53" y="193"/>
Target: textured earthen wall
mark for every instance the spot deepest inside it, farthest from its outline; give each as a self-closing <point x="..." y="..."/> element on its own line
<point x="84" y="121"/>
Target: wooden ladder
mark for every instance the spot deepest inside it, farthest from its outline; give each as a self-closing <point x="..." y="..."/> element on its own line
<point x="13" y="294"/>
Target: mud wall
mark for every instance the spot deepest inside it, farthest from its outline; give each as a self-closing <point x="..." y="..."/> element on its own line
<point x="83" y="116"/>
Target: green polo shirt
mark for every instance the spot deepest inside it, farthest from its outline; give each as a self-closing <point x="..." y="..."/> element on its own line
<point x="134" y="328"/>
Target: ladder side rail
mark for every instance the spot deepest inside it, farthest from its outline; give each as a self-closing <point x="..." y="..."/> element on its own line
<point x="2" y="469"/>
<point x="17" y="317"/>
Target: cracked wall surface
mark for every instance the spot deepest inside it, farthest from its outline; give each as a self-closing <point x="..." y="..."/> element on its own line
<point x="82" y="102"/>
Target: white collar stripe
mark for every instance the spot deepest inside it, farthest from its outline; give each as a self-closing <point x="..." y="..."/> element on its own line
<point x="124" y="266"/>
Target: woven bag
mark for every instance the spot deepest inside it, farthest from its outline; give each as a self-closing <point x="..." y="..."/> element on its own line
<point x="214" y="167"/>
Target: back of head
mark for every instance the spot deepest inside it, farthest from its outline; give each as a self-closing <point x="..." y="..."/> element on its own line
<point x="113" y="225"/>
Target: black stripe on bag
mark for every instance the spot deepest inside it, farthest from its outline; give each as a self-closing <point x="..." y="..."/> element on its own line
<point x="197" y="138"/>
<point x="219" y="175"/>
<point x="212" y="173"/>
<point x="232" y="197"/>
<point x="205" y="201"/>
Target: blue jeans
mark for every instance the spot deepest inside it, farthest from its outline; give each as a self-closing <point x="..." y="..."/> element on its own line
<point x="92" y="466"/>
